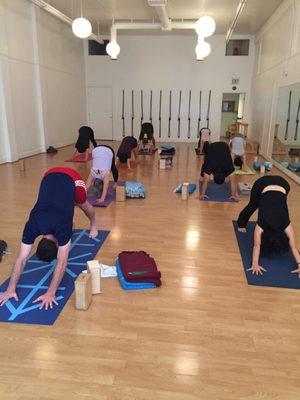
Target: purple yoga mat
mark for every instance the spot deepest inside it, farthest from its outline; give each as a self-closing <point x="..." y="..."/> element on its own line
<point x="110" y="197"/>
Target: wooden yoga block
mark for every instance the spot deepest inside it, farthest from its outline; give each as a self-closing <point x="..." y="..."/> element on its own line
<point x="162" y="163"/>
<point x="185" y="191"/>
<point x="262" y="169"/>
<point x="120" y="193"/>
<point x="83" y="291"/>
<point x="22" y="164"/>
<point x="94" y="269"/>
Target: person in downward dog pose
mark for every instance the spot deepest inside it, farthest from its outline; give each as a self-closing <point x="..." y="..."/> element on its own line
<point x="274" y="233"/>
<point x="60" y="191"/>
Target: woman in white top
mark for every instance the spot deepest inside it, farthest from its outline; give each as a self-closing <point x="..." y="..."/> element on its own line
<point x="103" y="164"/>
<point x="238" y="154"/>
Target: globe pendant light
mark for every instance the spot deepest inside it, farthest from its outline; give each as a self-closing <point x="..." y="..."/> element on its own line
<point x="81" y="27"/>
<point x="205" y="26"/>
<point x="202" y="49"/>
<point x="113" y="50"/>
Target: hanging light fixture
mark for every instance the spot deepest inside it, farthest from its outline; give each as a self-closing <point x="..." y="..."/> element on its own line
<point x="113" y="50"/>
<point x="205" y="26"/>
<point x="202" y="49"/>
<point x="81" y="27"/>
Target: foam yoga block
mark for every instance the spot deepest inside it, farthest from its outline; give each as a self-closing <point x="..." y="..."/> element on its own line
<point x="220" y="193"/>
<point x="83" y="291"/>
<point x="37" y="276"/>
<point x="294" y="167"/>
<point x="131" y="285"/>
<point x="93" y="267"/>
<point x="279" y="268"/>
<point x="244" y="188"/>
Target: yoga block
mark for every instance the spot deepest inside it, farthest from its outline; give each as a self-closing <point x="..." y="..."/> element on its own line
<point x="83" y="291"/>
<point x="94" y="269"/>
<point x="185" y="191"/>
<point x="162" y="163"/>
<point x="120" y="193"/>
<point x="244" y="188"/>
<point x="262" y="169"/>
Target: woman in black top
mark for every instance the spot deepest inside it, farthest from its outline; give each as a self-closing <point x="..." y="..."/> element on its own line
<point x="273" y="232"/>
<point x="128" y="151"/>
<point x="86" y="134"/>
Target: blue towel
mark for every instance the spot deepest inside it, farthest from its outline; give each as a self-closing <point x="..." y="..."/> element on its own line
<point x="131" y="285"/>
<point x="217" y="192"/>
<point x="37" y="276"/>
<point x="192" y="188"/>
<point x="134" y="190"/>
<point x="279" y="268"/>
<point x="295" y="167"/>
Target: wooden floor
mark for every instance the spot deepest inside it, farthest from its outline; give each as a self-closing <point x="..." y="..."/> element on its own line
<point x="205" y="334"/>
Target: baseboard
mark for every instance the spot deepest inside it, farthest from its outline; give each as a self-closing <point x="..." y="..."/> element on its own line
<point x="31" y="152"/>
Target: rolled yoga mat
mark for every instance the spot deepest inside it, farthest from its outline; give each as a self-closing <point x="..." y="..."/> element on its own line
<point x="37" y="276"/>
<point x="278" y="268"/>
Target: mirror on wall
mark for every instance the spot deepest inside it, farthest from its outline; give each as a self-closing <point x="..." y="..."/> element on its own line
<point x="286" y="144"/>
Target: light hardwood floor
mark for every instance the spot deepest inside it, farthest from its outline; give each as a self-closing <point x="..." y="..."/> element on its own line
<point x="205" y="334"/>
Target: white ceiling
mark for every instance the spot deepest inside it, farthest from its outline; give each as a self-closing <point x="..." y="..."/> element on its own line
<point x="254" y="15"/>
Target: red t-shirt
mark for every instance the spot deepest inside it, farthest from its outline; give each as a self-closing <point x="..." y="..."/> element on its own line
<point x="80" y="189"/>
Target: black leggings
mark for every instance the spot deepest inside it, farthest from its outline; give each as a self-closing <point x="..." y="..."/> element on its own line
<point x="113" y="168"/>
<point x="86" y="134"/>
<point x="255" y="196"/>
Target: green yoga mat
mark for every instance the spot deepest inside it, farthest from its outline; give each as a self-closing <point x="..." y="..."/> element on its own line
<point x="248" y="171"/>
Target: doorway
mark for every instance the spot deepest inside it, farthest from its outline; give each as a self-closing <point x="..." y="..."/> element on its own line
<point x="100" y="112"/>
<point x="232" y="111"/>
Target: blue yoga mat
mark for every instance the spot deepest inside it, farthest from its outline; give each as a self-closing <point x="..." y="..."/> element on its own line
<point x="131" y="285"/>
<point x="217" y="192"/>
<point x="37" y="276"/>
<point x="279" y="269"/>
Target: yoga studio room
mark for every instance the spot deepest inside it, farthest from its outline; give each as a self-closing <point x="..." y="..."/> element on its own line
<point x="150" y="199"/>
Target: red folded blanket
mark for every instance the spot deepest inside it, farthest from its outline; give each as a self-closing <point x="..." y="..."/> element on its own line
<point x="138" y="266"/>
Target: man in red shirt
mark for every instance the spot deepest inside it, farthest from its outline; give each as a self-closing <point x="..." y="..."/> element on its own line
<point x="60" y="191"/>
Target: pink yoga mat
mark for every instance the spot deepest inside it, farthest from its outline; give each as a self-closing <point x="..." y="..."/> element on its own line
<point x="80" y="158"/>
<point x="110" y="197"/>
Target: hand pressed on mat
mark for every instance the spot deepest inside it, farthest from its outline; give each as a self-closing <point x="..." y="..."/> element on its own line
<point x="4" y="297"/>
<point x="47" y="299"/>
<point x="257" y="270"/>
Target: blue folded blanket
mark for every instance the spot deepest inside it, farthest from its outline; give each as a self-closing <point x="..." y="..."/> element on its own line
<point x="192" y="188"/>
<point x="295" y="167"/>
<point x="134" y="190"/>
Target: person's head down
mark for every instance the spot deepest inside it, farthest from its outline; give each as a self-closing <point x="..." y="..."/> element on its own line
<point x="46" y="250"/>
<point x="238" y="162"/>
<point x="219" y="177"/>
<point x="273" y="242"/>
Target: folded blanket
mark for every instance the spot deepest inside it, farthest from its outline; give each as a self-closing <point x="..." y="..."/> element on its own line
<point x="134" y="190"/>
<point x="138" y="266"/>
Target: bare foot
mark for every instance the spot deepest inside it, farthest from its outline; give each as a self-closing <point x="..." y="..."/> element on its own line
<point x="93" y="232"/>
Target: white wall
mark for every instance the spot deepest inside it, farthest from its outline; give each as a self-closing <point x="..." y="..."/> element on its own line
<point x="42" y="81"/>
<point x="168" y="63"/>
<point x="277" y="65"/>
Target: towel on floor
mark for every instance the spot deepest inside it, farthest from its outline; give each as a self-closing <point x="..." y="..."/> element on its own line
<point x="134" y="190"/>
<point x="138" y="266"/>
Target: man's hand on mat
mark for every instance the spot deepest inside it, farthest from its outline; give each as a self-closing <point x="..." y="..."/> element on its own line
<point x="243" y="230"/>
<point x="47" y="300"/>
<point x="235" y="197"/>
<point x="257" y="270"/>
<point x="203" y="196"/>
<point x="8" y="295"/>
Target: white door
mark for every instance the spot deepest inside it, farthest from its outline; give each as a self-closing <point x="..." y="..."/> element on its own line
<point x="100" y="112"/>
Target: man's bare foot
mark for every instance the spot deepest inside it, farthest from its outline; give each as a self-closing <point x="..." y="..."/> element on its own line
<point x="93" y="232"/>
